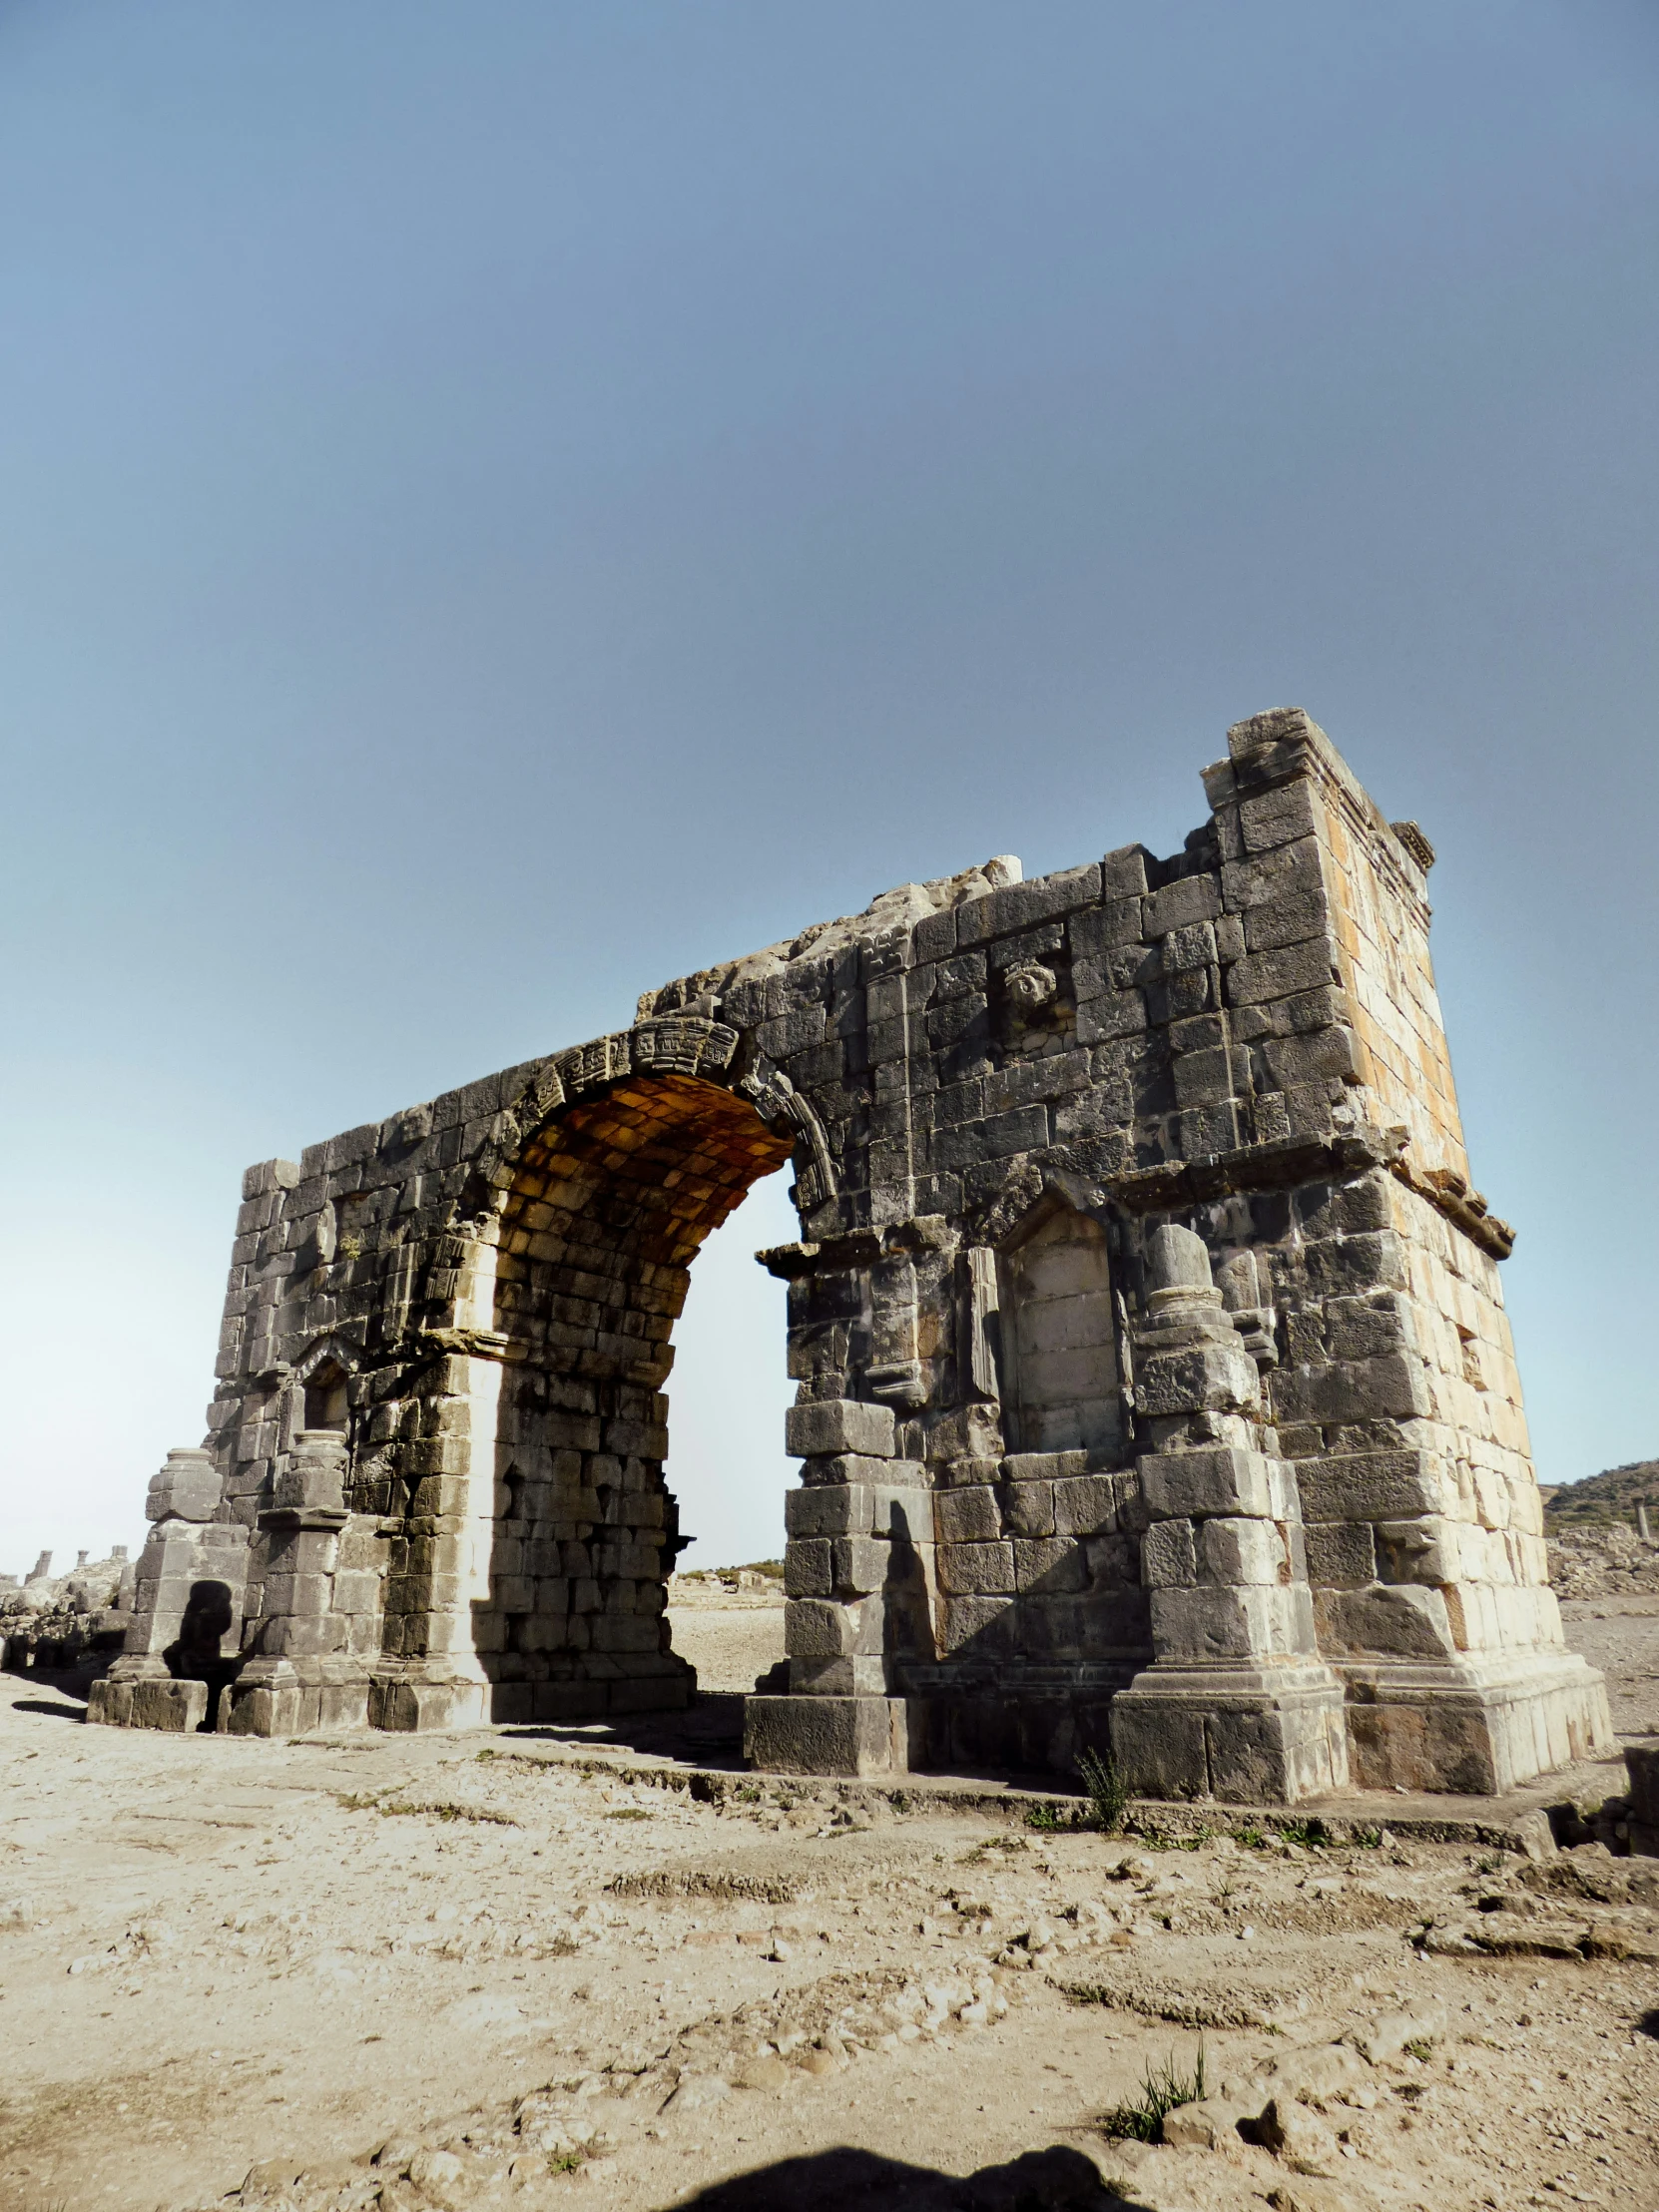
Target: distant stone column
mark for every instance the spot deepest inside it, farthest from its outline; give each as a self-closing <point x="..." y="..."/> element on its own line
<point x="1238" y="1704"/>
<point x="188" y="1597"/>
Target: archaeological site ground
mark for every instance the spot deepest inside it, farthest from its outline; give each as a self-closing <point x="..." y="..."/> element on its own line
<point x="1161" y="1778"/>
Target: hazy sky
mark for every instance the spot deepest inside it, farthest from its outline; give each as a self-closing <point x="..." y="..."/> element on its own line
<point x="502" y="504"/>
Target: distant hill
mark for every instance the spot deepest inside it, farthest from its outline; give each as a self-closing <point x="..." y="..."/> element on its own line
<point x="1609" y="1497"/>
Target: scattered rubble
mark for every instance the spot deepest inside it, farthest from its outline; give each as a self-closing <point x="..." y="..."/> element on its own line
<point x="230" y="1982"/>
<point x="71" y="1626"/>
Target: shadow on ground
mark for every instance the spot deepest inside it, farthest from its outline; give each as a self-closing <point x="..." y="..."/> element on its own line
<point x="55" y="1712"/>
<point x="1053" y="2180"/>
<point x="709" y="1734"/>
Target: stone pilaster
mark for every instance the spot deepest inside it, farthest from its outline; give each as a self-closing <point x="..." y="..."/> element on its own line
<point x="1238" y="1704"/>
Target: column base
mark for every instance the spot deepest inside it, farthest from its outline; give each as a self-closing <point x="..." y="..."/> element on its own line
<point x="148" y="1701"/>
<point x="1477" y="1726"/>
<point x="418" y="1704"/>
<point x="827" y="1734"/>
<point x="1268" y="1735"/>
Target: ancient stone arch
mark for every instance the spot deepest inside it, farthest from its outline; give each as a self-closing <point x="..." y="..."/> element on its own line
<point x="1153" y="1385"/>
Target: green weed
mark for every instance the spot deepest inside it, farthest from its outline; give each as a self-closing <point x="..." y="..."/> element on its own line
<point x="1305" y="1835"/>
<point x="1108" y="1791"/>
<point x="1162" y="2089"/>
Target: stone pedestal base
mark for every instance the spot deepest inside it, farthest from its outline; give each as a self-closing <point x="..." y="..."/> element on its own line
<point x="827" y="1734"/>
<point x="1478" y="1727"/>
<point x="419" y="1703"/>
<point x="148" y="1701"/>
<point x="1267" y="1735"/>
<point x="285" y="1697"/>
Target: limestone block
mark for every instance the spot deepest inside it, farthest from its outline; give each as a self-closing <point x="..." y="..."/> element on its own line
<point x="1169" y="1555"/>
<point x="830" y="1510"/>
<point x="1374" y="1486"/>
<point x="1042" y="1466"/>
<point x="1405" y="1621"/>
<point x="1114" y="1562"/>
<point x="977" y="1626"/>
<point x="861" y="1563"/>
<point x="187" y="1488"/>
<point x="827" y="1734"/>
<point x="1239" y="1551"/>
<point x="815" y="1628"/>
<point x="301" y="1551"/>
<point x="971" y="1515"/>
<point x="977" y="1570"/>
<point x="855" y="1467"/>
<point x="1053" y="1564"/>
<point x="1341" y="1554"/>
<point x="1085" y="1505"/>
<point x="312" y="1479"/>
<point x="1161" y="1751"/>
<point x="1195" y="1484"/>
<point x="1203" y="1377"/>
<point x="1207" y="1624"/>
<point x="900" y="1513"/>
<point x="1395" y="1388"/>
<point x="857" y="1675"/>
<point x="1028" y="1508"/>
<point x="179" y="1707"/>
<point x="839" y="1425"/>
<point x="806" y="1564"/>
<point x="1424" y="1550"/>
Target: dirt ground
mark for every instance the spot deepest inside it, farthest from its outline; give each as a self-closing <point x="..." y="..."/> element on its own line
<point x="525" y="1967"/>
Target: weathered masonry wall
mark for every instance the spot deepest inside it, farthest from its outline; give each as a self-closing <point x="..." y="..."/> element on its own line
<point x="1153" y="1385"/>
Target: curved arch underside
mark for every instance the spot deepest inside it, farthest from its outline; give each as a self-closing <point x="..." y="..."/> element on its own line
<point x="608" y="1208"/>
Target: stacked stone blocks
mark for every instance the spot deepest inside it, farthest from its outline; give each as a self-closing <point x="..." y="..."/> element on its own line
<point x="1154" y="1383"/>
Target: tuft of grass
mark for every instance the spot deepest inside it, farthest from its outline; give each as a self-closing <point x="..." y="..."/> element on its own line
<point x="566" y="2161"/>
<point x="1108" y="1791"/>
<point x="1305" y="1835"/>
<point x="980" y="1853"/>
<point x="1045" y="1818"/>
<point x="1251" y="1838"/>
<point x="1421" y="2046"/>
<point x="391" y="1808"/>
<point x="1366" y="1839"/>
<point x="628" y="1813"/>
<point x="1162" y="2089"/>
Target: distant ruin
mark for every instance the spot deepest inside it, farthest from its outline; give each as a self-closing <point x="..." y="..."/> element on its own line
<point x="1155" y="1387"/>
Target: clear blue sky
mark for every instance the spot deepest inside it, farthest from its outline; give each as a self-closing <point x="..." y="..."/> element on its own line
<point x="502" y="504"/>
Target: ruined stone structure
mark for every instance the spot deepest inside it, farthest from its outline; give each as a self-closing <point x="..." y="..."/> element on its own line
<point x="1153" y="1379"/>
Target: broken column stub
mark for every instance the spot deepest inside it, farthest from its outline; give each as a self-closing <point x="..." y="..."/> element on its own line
<point x="1238" y="1704"/>
<point x="186" y="1604"/>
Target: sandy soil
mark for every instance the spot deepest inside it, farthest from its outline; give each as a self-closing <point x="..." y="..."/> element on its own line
<point x="1620" y="1635"/>
<point x="730" y="1645"/>
<point x="521" y="1976"/>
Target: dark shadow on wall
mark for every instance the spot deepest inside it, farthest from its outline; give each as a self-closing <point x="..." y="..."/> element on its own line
<point x="1029" y="1679"/>
<point x="197" y="1655"/>
<point x="1054" y="2180"/>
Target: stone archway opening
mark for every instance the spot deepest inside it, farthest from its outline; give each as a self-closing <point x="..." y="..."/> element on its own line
<point x="609" y="1205"/>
